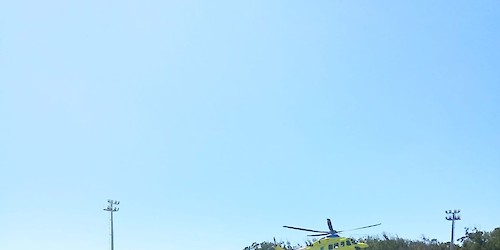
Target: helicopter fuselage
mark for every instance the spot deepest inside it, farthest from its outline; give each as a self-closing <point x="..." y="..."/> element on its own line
<point x="334" y="243"/>
<point x="337" y="243"/>
<point x="332" y="240"/>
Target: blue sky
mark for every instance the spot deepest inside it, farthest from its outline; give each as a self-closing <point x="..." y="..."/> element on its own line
<point x="215" y="123"/>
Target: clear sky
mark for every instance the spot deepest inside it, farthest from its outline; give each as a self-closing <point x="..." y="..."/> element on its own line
<point x="215" y="123"/>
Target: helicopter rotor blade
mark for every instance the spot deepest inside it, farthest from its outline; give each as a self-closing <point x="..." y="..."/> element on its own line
<point x="374" y="225"/>
<point x="322" y="234"/>
<point x="329" y="222"/>
<point x="308" y="230"/>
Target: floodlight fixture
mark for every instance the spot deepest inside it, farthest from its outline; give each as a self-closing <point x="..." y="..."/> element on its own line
<point x="111" y="210"/>
<point x="453" y="217"/>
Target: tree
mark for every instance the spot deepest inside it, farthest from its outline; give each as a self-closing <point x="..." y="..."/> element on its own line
<point x="269" y="246"/>
<point x="475" y="239"/>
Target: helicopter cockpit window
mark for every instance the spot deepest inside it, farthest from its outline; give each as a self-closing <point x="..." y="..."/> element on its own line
<point x="322" y="248"/>
<point x="342" y="244"/>
<point x="336" y="245"/>
<point x="330" y="247"/>
<point x="348" y="242"/>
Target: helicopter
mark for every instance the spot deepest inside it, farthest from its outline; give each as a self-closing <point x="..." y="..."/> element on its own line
<point x="330" y="239"/>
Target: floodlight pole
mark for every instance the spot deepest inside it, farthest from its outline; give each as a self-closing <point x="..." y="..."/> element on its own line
<point x="453" y="217"/>
<point x="111" y="210"/>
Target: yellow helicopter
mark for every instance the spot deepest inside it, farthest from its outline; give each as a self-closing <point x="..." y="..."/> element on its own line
<point x="331" y="240"/>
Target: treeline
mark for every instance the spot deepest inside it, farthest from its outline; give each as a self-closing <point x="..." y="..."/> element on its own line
<point x="473" y="239"/>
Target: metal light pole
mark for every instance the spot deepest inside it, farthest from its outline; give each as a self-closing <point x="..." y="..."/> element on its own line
<point x="453" y="217"/>
<point x="111" y="210"/>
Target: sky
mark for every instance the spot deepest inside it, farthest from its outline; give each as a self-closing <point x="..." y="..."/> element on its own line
<point x="215" y="123"/>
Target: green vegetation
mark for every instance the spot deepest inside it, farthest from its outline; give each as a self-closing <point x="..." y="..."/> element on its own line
<point x="478" y="240"/>
<point x="473" y="239"/>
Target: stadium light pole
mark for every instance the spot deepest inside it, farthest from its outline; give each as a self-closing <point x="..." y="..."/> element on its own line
<point x="111" y="210"/>
<point x="453" y="217"/>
